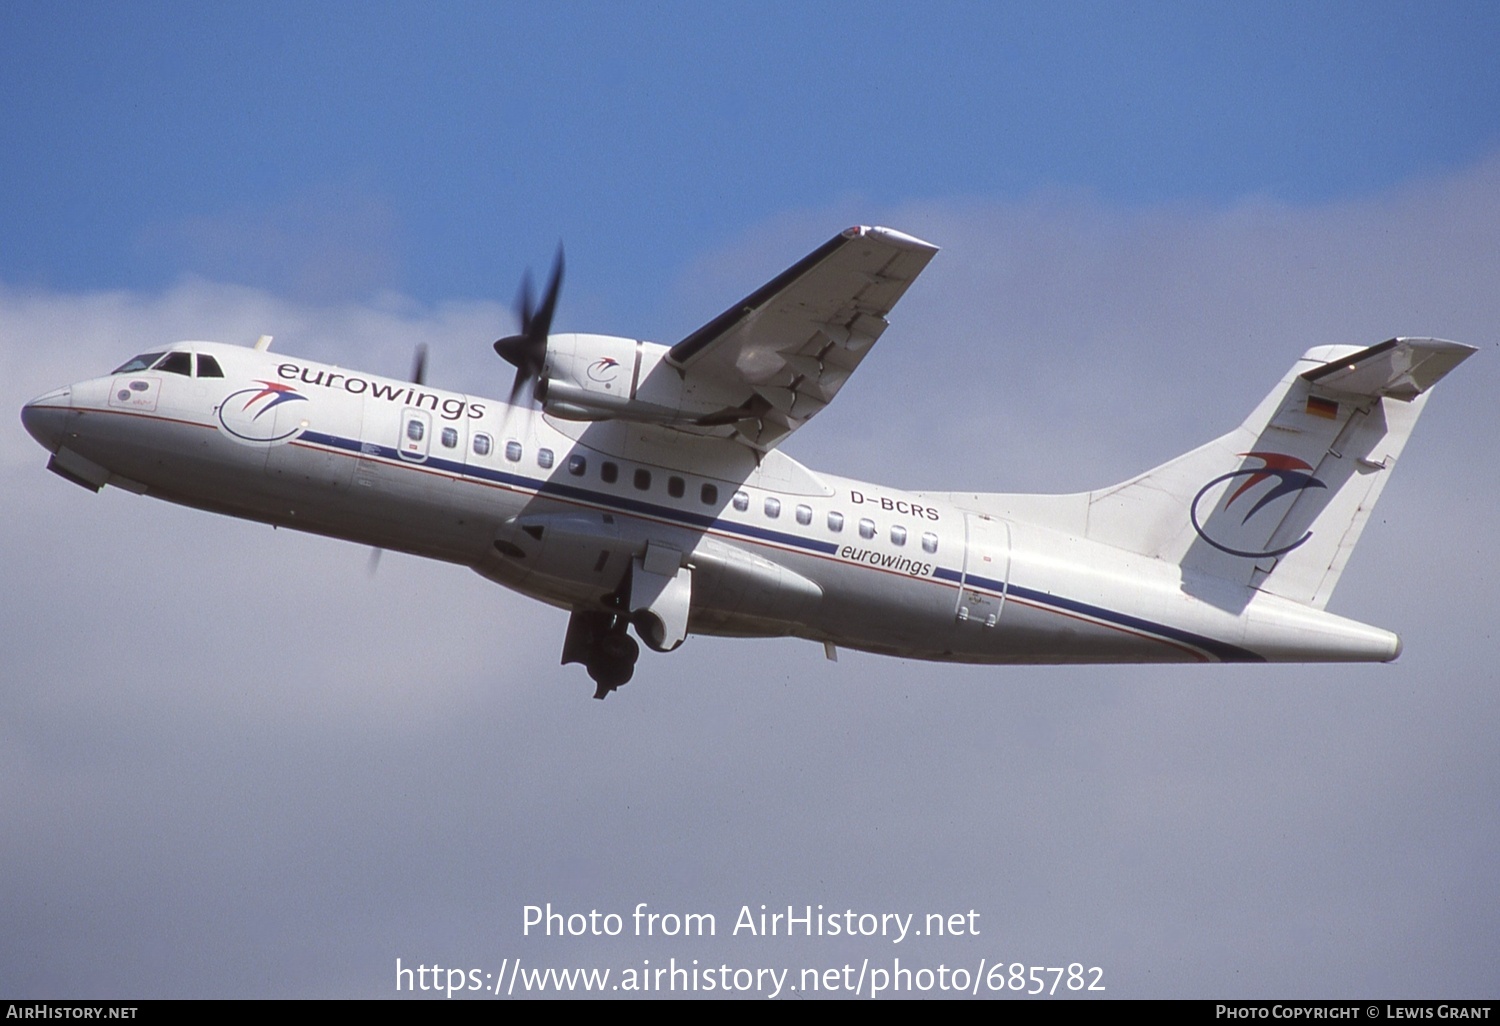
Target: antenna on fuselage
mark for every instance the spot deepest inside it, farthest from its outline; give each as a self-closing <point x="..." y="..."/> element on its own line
<point x="263" y="343"/>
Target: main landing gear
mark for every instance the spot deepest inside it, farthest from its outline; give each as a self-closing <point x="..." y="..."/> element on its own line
<point x="599" y="641"/>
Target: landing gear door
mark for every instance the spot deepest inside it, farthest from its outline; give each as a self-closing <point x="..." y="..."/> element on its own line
<point x="986" y="571"/>
<point x="661" y="591"/>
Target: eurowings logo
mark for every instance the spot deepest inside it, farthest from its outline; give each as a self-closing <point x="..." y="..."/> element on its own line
<point x="603" y="369"/>
<point x="1290" y="475"/>
<point x="242" y="414"/>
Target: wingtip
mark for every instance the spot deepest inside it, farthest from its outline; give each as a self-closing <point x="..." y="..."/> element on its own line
<point x="893" y="237"/>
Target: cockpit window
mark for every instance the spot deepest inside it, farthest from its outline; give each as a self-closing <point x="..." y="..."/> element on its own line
<point x="177" y="363"/>
<point x="140" y="363"/>
<point x="208" y="367"/>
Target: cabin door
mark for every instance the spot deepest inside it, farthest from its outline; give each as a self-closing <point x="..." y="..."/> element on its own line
<point x="981" y="596"/>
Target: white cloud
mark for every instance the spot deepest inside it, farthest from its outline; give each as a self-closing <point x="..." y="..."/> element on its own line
<point x="231" y="763"/>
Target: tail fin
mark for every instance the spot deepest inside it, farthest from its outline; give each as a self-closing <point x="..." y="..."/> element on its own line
<point x="1278" y="503"/>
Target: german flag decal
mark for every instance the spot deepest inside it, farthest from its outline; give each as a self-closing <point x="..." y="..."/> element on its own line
<point x="1320" y="407"/>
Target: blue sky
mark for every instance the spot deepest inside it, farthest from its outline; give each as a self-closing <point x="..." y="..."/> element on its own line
<point x="232" y="763"/>
<point x="438" y="148"/>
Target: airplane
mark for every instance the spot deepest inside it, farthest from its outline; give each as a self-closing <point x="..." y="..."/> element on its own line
<point x="641" y="486"/>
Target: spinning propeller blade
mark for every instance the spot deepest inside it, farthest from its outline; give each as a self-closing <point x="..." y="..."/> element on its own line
<point x="527" y="351"/>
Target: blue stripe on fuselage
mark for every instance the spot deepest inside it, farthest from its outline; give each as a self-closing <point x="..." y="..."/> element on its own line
<point x="1221" y="650"/>
<point x="562" y="489"/>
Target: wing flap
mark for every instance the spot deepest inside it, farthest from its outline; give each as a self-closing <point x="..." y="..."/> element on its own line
<point x="788" y="347"/>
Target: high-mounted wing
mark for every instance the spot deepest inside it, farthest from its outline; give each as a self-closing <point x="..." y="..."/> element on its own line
<point x="787" y="348"/>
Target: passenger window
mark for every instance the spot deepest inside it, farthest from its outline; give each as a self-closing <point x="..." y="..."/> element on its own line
<point x="482" y="443"/>
<point x="208" y="367"/>
<point x="577" y="465"/>
<point x="642" y="478"/>
<point x="773" y="507"/>
<point x="177" y="363"/>
<point x="450" y="438"/>
<point x="544" y="458"/>
<point x="898" y="534"/>
<point x="609" y="472"/>
<point x="835" y="522"/>
<point x="709" y="494"/>
<point x="741" y="501"/>
<point x="929" y="541"/>
<point x="513" y="451"/>
<point x="867" y="528"/>
<point x="804" y="515"/>
<point x="676" y="487"/>
<point x="415" y="430"/>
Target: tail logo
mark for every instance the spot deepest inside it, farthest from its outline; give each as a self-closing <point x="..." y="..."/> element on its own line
<point x="1290" y="475"/>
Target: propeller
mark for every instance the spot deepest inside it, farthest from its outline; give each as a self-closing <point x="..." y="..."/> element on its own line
<point x="419" y="364"/>
<point x="418" y="376"/>
<point x="527" y="352"/>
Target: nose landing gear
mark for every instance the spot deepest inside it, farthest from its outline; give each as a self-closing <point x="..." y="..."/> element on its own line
<point x="599" y="641"/>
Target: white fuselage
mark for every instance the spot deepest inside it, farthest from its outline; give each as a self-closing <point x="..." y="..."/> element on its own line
<point x="558" y="509"/>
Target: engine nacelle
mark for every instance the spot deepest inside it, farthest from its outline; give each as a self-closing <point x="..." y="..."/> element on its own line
<point x="602" y="377"/>
<point x="589" y="377"/>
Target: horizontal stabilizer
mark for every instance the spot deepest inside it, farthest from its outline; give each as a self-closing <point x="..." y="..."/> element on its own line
<point x="1402" y="368"/>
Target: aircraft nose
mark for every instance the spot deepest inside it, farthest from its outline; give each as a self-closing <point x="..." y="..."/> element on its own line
<point x="45" y="417"/>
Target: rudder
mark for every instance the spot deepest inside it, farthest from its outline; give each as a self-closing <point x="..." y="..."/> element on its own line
<point x="1279" y="503"/>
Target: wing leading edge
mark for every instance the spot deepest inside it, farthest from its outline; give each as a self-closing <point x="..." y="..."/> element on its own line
<point x="786" y="349"/>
